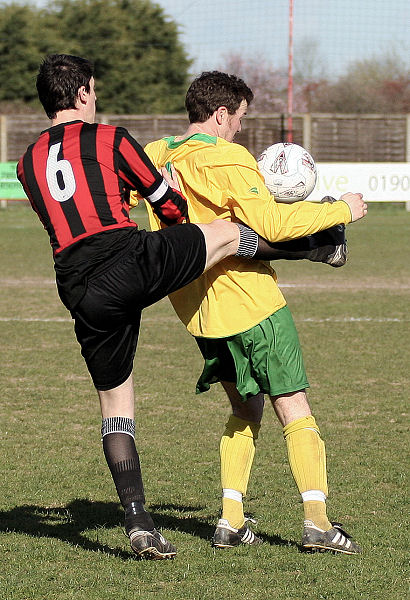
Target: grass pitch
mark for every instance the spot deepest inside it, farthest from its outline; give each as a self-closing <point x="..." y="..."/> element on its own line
<point x="61" y="532"/>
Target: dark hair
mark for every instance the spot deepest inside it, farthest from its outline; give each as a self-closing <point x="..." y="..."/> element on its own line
<point x="213" y="89"/>
<point x="59" y="78"/>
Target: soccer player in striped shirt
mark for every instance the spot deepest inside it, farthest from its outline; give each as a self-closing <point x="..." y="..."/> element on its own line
<point x="78" y="176"/>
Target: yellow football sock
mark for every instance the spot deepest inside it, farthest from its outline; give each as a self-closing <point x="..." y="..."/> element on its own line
<point x="316" y="511"/>
<point x="307" y="459"/>
<point x="232" y="511"/>
<point x="237" y="450"/>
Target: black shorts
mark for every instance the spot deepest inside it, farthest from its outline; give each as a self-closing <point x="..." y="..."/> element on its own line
<point x="107" y="319"/>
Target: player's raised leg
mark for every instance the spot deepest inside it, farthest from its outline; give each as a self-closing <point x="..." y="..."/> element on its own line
<point x="328" y="246"/>
<point x="224" y="239"/>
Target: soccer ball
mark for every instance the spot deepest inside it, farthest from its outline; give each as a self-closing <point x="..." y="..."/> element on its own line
<point x="289" y="171"/>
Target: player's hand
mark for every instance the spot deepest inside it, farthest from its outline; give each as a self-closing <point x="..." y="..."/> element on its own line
<point x="358" y="207"/>
<point x="172" y="209"/>
<point x="170" y="175"/>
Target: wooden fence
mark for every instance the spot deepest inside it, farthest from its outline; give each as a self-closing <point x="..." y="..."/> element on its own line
<point x="329" y="137"/>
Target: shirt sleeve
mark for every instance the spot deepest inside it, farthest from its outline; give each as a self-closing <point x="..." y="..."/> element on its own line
<point x="242" y="188"/>
<point x="138" y="172"/>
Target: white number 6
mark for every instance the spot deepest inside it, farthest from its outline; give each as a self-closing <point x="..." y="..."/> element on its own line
<point x="61" y="188"/>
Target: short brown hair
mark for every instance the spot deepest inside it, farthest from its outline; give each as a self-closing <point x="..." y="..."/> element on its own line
<point x="213" y="89"/>
<point x="59" y="78"/>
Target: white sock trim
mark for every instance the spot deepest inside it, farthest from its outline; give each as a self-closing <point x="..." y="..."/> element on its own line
<point x="232" y="494"/>
<point x="248" y="241"/>
<point x="118" y="425"/>
<point x="317" y="495"/>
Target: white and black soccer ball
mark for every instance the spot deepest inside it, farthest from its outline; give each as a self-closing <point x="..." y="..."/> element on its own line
<point x="289" y="171"/>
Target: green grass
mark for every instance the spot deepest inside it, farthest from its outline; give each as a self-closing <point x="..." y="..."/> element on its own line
<point x="60" y="526"/>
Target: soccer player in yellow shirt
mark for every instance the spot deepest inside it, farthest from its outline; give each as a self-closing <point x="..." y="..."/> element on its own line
<point x="237" y="313"/>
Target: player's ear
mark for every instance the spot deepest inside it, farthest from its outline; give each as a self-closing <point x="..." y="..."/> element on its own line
<point x="221" y="112"/>
<point x="82" y="94"/>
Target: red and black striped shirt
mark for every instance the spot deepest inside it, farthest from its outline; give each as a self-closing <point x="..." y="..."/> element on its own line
<point x="77" y="177"/>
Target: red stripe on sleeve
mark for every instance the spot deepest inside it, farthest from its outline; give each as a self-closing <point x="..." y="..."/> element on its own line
<point x="136" y="163"/>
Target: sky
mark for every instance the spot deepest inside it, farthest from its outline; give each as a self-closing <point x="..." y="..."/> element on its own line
<point x="328" y="33"/>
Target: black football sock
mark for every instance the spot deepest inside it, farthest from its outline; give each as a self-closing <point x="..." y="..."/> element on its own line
<point x="252" y="245"/>
<point x="124" y="464"/>
<point x="290" y="250"/>
<point x="316" y="247"/>
<point x="136" y="517"/>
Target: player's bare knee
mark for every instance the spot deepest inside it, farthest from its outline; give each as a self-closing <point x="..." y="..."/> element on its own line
<point x="222" y="240"/>
<point x="291" y="406"/>
<point x="251" y="410"/>
<point x="225" y="231"/>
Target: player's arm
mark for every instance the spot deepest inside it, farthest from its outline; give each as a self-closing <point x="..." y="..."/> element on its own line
<point x="253" y="205"/>
<point x="137" y="170"/>
<point x="328" y="246"/>
<point x="282" y="222"/>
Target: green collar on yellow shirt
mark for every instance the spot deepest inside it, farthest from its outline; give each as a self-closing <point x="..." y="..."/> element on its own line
<point x="203" y="137"/>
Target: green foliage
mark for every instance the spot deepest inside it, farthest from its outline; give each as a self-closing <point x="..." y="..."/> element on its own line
<point x="140" y="65"/>
<point x="20" y="52"/>
<point x="60" y="524"/>
<point x="368" y="86"/>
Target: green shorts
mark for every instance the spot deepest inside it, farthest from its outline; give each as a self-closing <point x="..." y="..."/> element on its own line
<point x="266" y="358"/>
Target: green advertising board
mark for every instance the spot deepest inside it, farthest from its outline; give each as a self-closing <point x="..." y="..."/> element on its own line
<point x="10" y="187"/>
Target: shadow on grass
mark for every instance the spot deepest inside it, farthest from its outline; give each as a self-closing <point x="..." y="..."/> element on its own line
<point x="69" y="523"/>
<point x="197" y="526"/>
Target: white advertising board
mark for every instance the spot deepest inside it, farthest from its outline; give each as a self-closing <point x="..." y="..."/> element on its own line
<point x="378" y="182"/>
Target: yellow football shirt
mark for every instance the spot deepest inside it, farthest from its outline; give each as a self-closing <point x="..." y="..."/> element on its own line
<point x="221" y="180"/>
